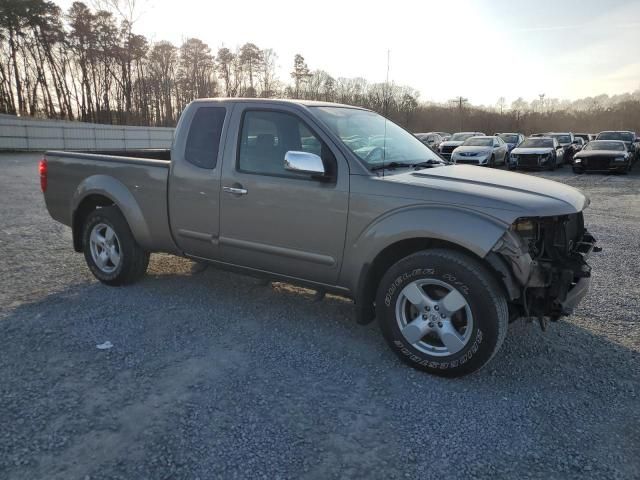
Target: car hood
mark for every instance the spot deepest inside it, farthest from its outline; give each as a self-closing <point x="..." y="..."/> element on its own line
<point x="531" y="151"/>
<point x="451" y="143"/>
<point x="600" y="153"/>
<point x="498" y="193"/>
<point x="474" y="149"/>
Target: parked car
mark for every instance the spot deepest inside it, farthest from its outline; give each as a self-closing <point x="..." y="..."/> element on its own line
<point x="483" y="151"/>
<point x="445" y="135"/>
<point x="447" y="147"/>
<point x="578" y="144"/>
<point x="587" y="137"/>
<point x="430" y="139"/>
<point x="537" y="152"/>
<point x="604" y="156"/>
<point x="630" y="139"/>
<point x="442" y="255"/>
<point x="568" y="143"/>
<point x="511" y="139"/>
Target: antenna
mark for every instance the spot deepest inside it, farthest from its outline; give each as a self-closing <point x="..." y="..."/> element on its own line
<point x="385" y="109"/>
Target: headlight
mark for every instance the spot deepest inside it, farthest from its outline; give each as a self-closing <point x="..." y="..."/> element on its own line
<point x="619" y="159"/>
<point x="514" y="158"/>
<point x="526" y="228"/>
<point x="577" y="160"/>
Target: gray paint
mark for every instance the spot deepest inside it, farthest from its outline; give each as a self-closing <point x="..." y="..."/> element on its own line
<point x="317" y="232"/>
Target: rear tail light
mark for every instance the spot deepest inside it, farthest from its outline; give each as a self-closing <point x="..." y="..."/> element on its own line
<point x="42" y="169"/>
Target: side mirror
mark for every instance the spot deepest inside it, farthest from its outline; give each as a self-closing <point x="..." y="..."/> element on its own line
<point x="303" y="162"/>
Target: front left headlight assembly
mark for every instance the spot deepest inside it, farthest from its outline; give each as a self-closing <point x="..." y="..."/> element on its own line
<point x="619" y="159"/>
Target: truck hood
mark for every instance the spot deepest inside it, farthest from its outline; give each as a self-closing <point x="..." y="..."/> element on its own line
<point x="498" y="193"/>
<point x="531" y="151"/>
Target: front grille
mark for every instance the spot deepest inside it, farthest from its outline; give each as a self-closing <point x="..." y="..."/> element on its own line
<point x="448" y="149"/>
<point x="472" y="162"/>
<point x="528" y="160"/>
<point x="596" y="163"/>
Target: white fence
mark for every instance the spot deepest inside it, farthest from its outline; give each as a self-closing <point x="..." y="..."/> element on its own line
<point x="18" y="133"/>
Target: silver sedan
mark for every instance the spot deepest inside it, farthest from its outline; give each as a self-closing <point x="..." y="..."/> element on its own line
<point x="484" y="151"/>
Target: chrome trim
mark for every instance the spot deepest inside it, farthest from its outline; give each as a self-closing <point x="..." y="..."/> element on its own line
<point x="303" y="162"/>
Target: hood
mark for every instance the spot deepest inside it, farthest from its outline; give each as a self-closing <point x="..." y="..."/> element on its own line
<point x="472" y="149"/>
<point x="531" y="151"/>
<point x="452" y="143"/>
<point x="498" y="193"/>
<point x="600" y="153"/>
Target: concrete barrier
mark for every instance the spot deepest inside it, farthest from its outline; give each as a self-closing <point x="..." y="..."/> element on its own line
<point x="19" y="133"/>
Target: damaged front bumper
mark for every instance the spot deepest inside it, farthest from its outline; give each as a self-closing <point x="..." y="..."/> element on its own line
<point x="545" y="277"/>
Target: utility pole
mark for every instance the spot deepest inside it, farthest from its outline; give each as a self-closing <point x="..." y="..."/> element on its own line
<point x="461" y="101"/>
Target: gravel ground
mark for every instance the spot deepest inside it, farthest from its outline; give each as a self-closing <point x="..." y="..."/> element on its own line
<point x="213" y="375"/>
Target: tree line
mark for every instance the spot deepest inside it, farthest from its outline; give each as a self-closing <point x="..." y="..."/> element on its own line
<point x="87" y="63"/>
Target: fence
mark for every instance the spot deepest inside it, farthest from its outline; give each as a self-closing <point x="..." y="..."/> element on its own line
<point x="18" y="133"/>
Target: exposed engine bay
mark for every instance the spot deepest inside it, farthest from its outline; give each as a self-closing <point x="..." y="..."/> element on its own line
<point x="548" y="273"/>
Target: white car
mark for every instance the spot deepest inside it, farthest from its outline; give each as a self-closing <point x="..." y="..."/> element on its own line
<point x="483" y="151"/>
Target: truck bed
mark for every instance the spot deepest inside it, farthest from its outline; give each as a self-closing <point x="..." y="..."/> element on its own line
<point x="141" y="175"/>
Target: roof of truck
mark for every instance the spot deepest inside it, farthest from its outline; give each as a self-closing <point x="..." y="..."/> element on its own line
<point x="306" y="103"/>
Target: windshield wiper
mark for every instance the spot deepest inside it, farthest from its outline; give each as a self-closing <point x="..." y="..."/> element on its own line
<point x="391" y="165"/>
<point x="428" y="163"/>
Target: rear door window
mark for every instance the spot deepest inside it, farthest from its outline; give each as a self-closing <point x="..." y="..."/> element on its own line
<point x="203" y="141"/>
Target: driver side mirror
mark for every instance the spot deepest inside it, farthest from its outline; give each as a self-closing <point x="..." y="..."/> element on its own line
<point x="304" y="163"/>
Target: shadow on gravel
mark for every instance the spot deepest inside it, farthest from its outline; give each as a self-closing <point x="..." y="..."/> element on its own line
<point x="213" y="374"/>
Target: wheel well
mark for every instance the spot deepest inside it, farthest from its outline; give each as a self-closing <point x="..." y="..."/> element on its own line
<point x="88" y="205"/>
<point x="373" y="272"/>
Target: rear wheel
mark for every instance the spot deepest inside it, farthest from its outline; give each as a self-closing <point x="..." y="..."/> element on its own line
<point x="110" y="250"/>
<point x="441" y="311"/>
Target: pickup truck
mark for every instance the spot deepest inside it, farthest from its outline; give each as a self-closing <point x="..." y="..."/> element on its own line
<point x="342" y="200"/>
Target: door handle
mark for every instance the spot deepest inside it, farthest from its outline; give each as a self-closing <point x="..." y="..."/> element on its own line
<point x="235" y="190"/>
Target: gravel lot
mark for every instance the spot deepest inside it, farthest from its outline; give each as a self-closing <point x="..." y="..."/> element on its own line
<point x="214" y="375"/>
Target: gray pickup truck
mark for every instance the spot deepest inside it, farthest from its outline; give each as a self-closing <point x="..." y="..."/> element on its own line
<point x="341" y="200"/>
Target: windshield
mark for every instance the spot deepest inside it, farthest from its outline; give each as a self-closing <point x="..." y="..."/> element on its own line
<point x="562" y="138"/>
<point x="624" y="136"/>
<point x="537" y="143"/>
<point x="373" y="138"/>
<point x="509" y="138"/>
<point x="461" y="137"/>
<point x="603" y="145"/>
<point x="478" y="142"/>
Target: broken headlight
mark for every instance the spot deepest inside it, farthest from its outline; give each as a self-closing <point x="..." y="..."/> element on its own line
<point x="527" y="229"/>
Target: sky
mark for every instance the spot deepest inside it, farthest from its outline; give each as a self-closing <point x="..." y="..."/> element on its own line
<point x="482" y="49"/>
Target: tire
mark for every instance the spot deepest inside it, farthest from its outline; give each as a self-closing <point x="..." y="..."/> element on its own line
<point x="492" y="162"/>
<point x="112" y="254"/>
<point x="479" y="322"/>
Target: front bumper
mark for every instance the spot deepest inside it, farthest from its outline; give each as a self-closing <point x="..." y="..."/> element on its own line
<point x="575" y="295"/>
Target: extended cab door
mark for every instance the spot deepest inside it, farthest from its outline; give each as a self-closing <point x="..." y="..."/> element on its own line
<point x="273" y="219"/>
<point x="194" y="180"/>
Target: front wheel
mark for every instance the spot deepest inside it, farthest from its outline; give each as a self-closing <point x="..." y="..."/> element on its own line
<point x="110" y="250"/>
<point x="442" y="312"/>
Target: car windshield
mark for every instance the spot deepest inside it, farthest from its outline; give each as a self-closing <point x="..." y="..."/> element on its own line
<point x="478" y="142"/>
<point x="562" y="138"/>
<point x="375" y="139"/>
<point x="509" y="138"/>
<point x="537" y="143"/>
<point x="604" y="145"/>
<point x="461" y="137"/>
<point x="624" y="136"/>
